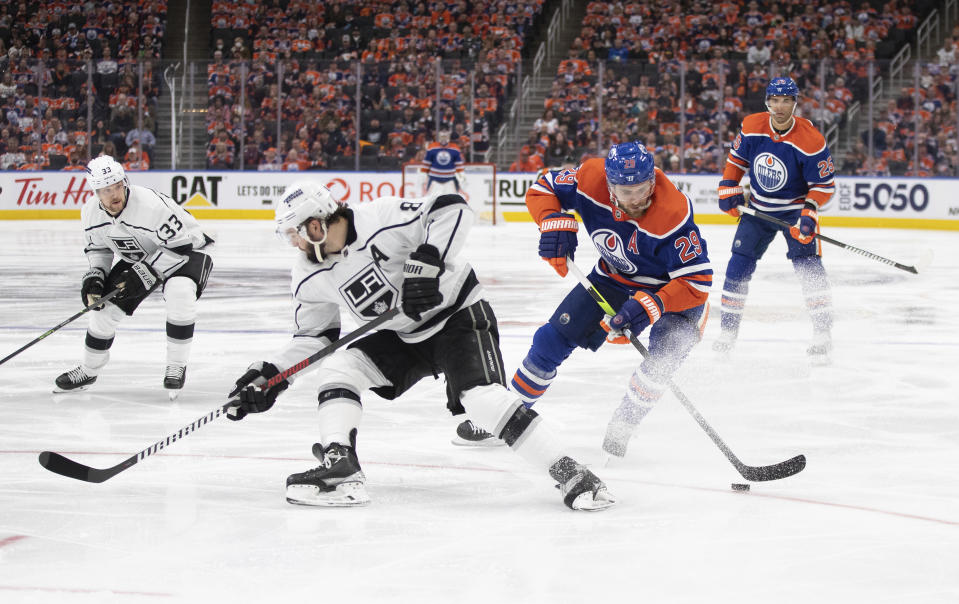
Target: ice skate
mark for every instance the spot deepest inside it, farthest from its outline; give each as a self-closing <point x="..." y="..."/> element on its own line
<point x="469" y="434"/>
<point x="337" y="482"/>
<point x="75" y="380"/>
<point x="820" y="352"/>
<point x="173" y="379"/>
<point x="617" y="437"/>
<point x="582" y="490"/>
<point x="724" y="344"/>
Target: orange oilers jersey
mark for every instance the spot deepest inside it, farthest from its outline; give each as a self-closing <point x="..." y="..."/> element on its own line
<point x="661" y="252"/>
<point x="784" y="169"/>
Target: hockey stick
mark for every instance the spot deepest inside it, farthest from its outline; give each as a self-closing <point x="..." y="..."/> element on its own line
<point x="103" y="300"/>
<point x="846" y="246"/>
<point x="751" y="473"/>
<point x="71" y="469"/>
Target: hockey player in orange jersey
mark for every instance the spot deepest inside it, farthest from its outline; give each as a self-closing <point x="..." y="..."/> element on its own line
<point x="653" y="267"/>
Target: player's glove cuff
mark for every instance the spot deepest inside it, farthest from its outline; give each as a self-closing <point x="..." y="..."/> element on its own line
<point x="730" y="195"/>
<point x="807" y="226"/>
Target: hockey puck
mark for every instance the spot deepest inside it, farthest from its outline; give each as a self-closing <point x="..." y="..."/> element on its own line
<point x="740" y="486"/>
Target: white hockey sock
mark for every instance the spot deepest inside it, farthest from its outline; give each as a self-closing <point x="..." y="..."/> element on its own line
<point x="337" y="417"/>
<point x="99" y="338"/>
<point x="496" y="409"/>
<point x="180" y="296"/>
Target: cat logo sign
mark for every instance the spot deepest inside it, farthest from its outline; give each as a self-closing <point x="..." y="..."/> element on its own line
<point x="195" y="191"/>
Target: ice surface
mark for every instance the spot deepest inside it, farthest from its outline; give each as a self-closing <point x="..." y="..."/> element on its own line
<point x="873" y="518"/>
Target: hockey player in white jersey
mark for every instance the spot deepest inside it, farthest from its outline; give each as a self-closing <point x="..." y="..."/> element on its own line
<point x="365" y="260"/>
<point x="137" y="240"/>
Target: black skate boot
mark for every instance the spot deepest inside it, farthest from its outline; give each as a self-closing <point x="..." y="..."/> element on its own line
<point x="75" y="380"/>
<point x="582" y="490"/>
<point x="469" y="434"/>
<point x="173" y="379"/>
<point x="337" y="482"/>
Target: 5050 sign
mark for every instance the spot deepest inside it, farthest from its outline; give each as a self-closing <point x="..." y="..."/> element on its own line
<point x="897" y="197"/>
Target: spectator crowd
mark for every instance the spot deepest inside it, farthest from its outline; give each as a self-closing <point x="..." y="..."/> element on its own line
<point x="71" y="84"/>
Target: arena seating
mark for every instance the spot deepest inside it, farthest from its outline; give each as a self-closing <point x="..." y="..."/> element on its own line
<point x="731" y="50"/>
<point x="318" y="46"/>
<point x="45" y="90"/>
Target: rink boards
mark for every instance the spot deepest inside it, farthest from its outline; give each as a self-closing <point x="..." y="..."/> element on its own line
<point x="913" y="203"/>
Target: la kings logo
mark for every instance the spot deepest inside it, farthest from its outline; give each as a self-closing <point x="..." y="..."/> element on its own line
<point x="129" y="248"/>
<point x="368" y="292"/>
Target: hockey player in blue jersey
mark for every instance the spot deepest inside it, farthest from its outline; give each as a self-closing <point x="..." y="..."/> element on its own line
<point x="653" y="267"/>
<point x="443" y="166"/>
<point x="791" y="176"/>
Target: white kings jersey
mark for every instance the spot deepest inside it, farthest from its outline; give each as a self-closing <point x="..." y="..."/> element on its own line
<point x="366" y="278"/>
<point x="151" y="228"/>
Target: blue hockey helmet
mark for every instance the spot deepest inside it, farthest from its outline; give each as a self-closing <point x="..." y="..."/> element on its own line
<point x="782" y="87"/>
<point x="629" y="164"/>
<point x="630" y="177"/>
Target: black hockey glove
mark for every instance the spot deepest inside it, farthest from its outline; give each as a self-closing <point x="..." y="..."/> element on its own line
<point x="248" y="396"/>
<point x="137" y="281"/>
<point x="91" y="288"/>
<point x="421" y="281"/>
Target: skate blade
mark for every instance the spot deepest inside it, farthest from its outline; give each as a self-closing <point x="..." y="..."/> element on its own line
<point x="173" y="394"/>
<point x="588" y="502"/>
<point x="72" y="390"/>
<point x="347" y="494"/>
<point x="486" y="442"/>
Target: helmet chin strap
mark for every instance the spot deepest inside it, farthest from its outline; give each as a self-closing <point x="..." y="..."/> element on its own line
<point x="318" y="245"/>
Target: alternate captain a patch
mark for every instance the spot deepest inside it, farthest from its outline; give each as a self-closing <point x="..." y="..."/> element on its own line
<point x="368" y="292"/>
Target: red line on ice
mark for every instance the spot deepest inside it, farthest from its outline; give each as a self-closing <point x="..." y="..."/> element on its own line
<point x="13" y="539"/>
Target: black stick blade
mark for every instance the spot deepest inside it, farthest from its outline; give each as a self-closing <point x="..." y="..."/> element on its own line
<point x="776" y="471"/>
<point x="59" y="464"/>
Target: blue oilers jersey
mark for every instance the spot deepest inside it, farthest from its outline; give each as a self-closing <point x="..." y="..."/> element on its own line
<point x="661" y="252"/>
<point x="785" y="170"/>
<point x="441" y="162"/>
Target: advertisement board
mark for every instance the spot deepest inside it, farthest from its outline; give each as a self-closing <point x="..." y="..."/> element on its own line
<point x="867" y="202"/>
<point x="31" y="195"/>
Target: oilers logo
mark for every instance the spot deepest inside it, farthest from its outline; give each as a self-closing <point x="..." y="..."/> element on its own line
<point x="613" y="251"/>
<point x="770" y="172"/>
<point x="444" y="158"/>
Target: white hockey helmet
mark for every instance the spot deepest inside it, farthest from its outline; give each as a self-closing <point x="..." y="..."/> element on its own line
<point x="104" y="171"/>
<point x="303" y="200"/>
